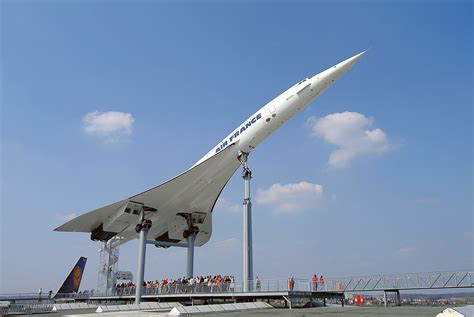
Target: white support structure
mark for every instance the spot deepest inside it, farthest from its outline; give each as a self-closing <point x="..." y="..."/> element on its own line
<point x="108" y="266"/>
<point x="247" y="226"/>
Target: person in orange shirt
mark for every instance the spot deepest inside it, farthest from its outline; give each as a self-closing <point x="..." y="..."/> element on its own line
<point x="291" y="283"/>
<point x="314" y="282"/>
<point x="321" y="281"/>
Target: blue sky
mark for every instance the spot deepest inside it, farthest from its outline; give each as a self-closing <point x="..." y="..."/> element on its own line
<point x="188" y="73"/>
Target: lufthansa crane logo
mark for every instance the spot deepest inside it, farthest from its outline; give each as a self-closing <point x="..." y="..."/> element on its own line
<point x="76" y="276"/>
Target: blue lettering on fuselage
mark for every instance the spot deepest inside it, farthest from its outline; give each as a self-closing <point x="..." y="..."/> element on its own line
<point x="237" y="132"/>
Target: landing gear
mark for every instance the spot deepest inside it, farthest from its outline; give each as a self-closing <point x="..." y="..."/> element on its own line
<point x="191" y="231"/>
<point x="146" y="224"/>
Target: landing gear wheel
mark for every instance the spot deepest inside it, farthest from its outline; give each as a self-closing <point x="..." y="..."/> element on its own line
<point x="194" y="230"/>
<point x="138" y="228"/>
<point x="146" y="223"/>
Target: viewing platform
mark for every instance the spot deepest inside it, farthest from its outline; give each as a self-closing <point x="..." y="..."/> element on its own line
<point x="266" y="290"/>
<point x="332" y="288"/>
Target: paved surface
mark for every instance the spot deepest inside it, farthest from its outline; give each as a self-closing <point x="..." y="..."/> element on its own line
<point x="297" y="312"/>
<point x="345" y="312"/>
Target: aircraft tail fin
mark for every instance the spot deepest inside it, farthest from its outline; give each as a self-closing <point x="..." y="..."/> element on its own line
<point x="73" y="280"/>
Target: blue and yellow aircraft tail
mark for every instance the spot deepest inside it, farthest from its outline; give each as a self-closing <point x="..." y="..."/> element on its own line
<point x="73" y="281"/>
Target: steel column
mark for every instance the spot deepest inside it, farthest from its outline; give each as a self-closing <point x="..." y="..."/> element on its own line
<point x="247" y="228"/>
<point x="141" y="265"/>
<point x="385" y="298"/>
<point x="191" y="238"/>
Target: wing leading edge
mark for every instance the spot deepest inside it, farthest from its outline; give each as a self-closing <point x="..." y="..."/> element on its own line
<point x="193" y="193"/>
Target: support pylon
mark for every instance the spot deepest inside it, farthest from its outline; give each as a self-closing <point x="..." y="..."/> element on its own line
<point x="247" y="226"/>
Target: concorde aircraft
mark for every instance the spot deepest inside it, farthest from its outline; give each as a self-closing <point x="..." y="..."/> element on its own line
<point x="185" y="203"/>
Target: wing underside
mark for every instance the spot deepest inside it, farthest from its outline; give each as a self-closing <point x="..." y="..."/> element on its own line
<point x="192" y="193"/>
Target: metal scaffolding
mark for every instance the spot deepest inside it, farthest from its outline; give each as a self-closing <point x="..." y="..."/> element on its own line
<point x="108" y="266"/>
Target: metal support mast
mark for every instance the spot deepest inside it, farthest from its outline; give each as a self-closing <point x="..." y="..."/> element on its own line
<point x="190" y="265"/>
<point x="141" y="228"/>
<point x="190" y="236"/>
<point x="247" y="230"/>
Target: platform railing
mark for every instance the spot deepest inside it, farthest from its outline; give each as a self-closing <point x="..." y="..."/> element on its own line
<point x="273" y="285"/>
<point x="413" y="281"/>
<point x="433" y="280"/>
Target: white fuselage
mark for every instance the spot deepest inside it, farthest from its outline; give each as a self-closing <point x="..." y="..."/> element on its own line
<point x="278" y="111"/>
<point x="196" y="191"/>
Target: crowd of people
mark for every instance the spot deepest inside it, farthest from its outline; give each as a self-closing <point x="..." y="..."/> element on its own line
<point x="204" y="284"/>
<point x="217" y="283"/>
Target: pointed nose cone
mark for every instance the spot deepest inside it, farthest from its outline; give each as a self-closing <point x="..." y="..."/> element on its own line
<point x="325" y="79"/>
<point x="344" y="66"/>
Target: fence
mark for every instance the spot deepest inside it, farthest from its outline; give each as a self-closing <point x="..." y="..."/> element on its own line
<point x="434" y="280"/>
<point x="25" y="309"/>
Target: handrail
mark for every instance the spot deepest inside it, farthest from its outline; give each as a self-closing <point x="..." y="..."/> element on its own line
<point x="413" y="281"/>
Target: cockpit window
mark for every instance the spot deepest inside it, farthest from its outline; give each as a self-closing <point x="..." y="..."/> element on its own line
<point x="303" y="81"/>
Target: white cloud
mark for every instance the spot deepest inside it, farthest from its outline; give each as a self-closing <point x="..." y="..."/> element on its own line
<point x="66" y="217"/>
<point x="291" y="198"/>
<point x="110" y="126"/>
<point x="227" y="206"/>
<point x="350" y="132"/>
<point x="407" y="250"/>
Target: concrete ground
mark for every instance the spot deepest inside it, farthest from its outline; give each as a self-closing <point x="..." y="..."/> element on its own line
<point x="348" y="311"/>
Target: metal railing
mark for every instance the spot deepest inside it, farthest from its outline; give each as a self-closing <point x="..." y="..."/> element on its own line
<point x="277" y="285"/>
<point x="35" y="303"/>
<point x="43" y="298"/>
<point x="25" y="309"/>
<point x="434" y="280"/>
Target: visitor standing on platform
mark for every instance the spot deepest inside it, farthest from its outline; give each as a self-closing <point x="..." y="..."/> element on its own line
<point x="314" y="282"/>
<point x="291" y="283"/>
